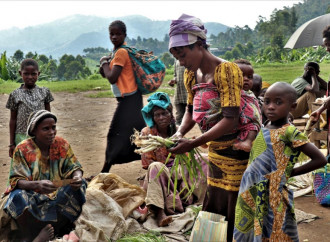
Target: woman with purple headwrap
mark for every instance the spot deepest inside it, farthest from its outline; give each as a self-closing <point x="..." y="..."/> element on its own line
<point x="214" y="95"/>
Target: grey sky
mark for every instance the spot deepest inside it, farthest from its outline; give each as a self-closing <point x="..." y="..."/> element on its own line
<point x="244" y="12"/>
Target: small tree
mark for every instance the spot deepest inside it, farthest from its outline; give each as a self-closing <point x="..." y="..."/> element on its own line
<point x="167" y="59"/>
<point x="31" y="55"/>
<point x="44" y="59"/>
<point x="18" y="55"/>
<point x="3" y="67"/>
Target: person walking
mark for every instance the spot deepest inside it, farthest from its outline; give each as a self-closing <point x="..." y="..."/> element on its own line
<point x="127" y="117"/>
<point x="180" y="97"/>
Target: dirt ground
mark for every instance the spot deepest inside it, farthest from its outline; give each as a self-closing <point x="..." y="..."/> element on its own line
<point x="84" y="122"/>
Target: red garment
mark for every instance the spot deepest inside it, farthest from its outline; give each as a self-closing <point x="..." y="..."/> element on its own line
<point x="159" y="154"/>
<point x="249" y="116"/>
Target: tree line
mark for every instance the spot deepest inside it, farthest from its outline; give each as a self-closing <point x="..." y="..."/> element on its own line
<point x="68" y="67"/>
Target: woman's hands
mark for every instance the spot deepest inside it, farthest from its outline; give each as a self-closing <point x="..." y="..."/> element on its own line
<point x="315" y="116"/>
<point x="178" y="135"/>
<point x="45" y="187"/>
<point x="183" y="145"/>
<point x="11" y="150"/>
<point x="104" y="60"/>
<point x="77" y="179"/>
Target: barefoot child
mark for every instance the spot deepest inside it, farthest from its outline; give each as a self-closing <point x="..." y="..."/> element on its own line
<point x="24" y="100"/>
<point x="265" y="209"/>
<point x="250" y="114"/>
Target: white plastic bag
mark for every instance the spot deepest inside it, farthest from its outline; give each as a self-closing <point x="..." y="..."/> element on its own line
<point x="209" y="227"/>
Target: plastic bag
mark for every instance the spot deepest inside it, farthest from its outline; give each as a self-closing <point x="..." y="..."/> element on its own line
<point x="209" y="227"/>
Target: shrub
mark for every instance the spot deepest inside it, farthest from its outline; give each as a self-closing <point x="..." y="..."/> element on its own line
<point x="95" y="77"/>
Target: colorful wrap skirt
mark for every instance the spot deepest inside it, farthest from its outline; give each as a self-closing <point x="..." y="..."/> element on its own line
<point x="68" y="202"/>
<point x="230" y="164"/>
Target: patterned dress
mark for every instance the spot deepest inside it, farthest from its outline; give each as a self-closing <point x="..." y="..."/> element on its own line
<point x="211" y="102"/>
<point x="265" y="208"/>
<point x="24" y="102"/>
<point x="29" y="164"/>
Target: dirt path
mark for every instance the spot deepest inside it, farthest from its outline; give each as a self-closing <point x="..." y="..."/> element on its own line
<point x="84" y="122"/>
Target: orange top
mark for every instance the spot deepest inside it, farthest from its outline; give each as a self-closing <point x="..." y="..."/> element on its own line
<point x="126" y="80"/>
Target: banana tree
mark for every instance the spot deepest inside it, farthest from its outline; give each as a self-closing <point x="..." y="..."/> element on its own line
<point x="8" y="68"/>
<point x="3" y="67"/>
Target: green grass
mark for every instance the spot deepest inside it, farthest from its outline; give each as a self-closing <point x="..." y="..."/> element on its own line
<point x="8" y="86"/>
<point x="151" y="236"/>
<point x="270" y="72"/>
<point x="287" y="72"/>
<point x="76" y="85"/>
<point x="61" y="86"/>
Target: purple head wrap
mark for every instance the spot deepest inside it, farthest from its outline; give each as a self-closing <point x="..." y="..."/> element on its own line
<point x="186" y="30"/>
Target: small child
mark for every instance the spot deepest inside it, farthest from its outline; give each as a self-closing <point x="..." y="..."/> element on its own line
<point x="257" y="84"/>
<point x="24" y="100"/>
<point x="259" y="91"/>
<point x="250" y="114"/>
<point x="264" y="208"/>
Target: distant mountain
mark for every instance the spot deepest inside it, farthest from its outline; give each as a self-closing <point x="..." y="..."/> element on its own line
<point x="72" y="34"/>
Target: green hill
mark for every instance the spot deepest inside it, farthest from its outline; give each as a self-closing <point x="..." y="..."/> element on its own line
<point x="72" y="34"/>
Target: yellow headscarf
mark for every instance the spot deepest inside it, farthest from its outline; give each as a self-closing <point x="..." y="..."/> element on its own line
<point x="265" y="85"/>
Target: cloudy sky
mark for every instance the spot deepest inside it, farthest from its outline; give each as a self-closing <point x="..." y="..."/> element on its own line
<point x="231" y="13"/>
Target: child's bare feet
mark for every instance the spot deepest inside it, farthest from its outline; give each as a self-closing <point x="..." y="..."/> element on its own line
<point x="245" y="145"/>
<point x="46" y="234"/>
<point x="161" y="217"/>
<point x="164" y="220"/>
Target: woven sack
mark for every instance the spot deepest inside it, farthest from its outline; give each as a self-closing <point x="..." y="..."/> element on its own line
<point x="322" y="185"/>
<point x="149" y="70"/>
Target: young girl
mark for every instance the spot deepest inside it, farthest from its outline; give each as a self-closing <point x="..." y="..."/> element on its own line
<point x="24" y="100"/>
<point x="127" y="117"/>
<point x="250" y="114"/>
<point x="214" y="96"/>
<point x="265" y="209"/>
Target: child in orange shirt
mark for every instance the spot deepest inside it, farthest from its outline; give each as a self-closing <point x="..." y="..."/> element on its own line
<point x="119" y="72"/>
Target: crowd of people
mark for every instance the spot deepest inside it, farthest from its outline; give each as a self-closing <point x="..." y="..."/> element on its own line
<point x="245" y="122"/>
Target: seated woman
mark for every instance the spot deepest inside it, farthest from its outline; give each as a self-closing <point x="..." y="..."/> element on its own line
<point x="158" y="116"/>
<point x="46" y="189"/>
